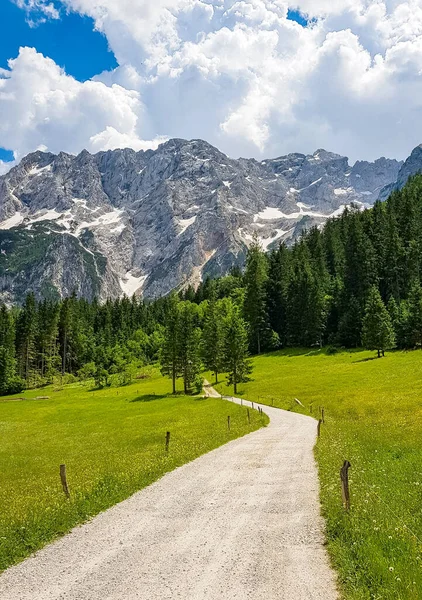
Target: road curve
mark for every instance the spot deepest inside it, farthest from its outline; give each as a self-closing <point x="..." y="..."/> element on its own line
<point x="239" y="523"/>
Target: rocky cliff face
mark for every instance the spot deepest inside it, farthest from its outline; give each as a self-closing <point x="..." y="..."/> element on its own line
<point x="148" y="222"/>
<point x="411" y="166"/>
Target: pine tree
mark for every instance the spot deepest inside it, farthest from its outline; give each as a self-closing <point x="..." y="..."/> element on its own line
<point x="212" y="337"/>
<point x="277" y="289"/>
<point x="255" y="303"/>
<point x="169" y="354"/>
<point x="236" y="357"/>
<point x="26" y="329"/>
<point x="360" y="264"/>
<point x="377" y="331"/>
<point x="189" y="345"/>
<point x="47" y="339"/>
<point x="10" y="383"/>
<point x="306" y="306"/>
<point x="350" y="323"/>
<point x="414" y="319"/>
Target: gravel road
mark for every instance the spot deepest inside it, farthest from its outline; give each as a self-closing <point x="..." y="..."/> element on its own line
<point x="239" y="523"/>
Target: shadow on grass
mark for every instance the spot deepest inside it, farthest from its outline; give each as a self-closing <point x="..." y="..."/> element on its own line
<point x="152" y="397"/>
<point x="315" y="351"/>
<point x="369" y="359"/>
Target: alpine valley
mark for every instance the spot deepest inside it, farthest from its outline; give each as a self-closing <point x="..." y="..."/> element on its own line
<point x="148" y="222"/>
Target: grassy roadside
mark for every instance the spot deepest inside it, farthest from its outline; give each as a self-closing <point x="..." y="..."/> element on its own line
<point x="113" y="444"/>
<point x="373" y="414"/>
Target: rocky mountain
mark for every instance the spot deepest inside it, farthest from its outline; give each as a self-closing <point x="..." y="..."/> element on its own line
<point x="148" y="222"/>
<point x="411" y="166"/>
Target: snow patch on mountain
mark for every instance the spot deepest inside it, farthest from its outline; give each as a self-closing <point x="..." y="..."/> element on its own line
<point x="12" y="221"/>
<point x="131" y="284"/>
<point x="185" y="224"/>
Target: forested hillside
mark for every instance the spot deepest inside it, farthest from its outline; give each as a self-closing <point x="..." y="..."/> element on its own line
<point x="358" y="280"/>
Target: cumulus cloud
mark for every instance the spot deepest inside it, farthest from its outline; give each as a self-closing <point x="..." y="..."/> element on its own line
<point x="235" y="72"/>
<point x="44" y="106"/>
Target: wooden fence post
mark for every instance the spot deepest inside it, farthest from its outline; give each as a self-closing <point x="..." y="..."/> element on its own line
<point x="252" y="405"/>
<point x="167" y="441"/>
<point x="64" y="480"/>
<point x="344" y="477"/>
<point x="319" y="428"/>
<point x="249" y="417"/>
<point x="322" y="415"/>
<point x="228" y="423"/>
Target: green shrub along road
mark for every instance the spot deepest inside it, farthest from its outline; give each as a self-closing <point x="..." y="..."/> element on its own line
<point x="373" y="418"/>
<point x="113" y="444"/>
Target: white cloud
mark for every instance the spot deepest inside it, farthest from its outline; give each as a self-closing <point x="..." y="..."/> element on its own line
<point x="235" y="72"/>
<point x="38" y="11"/>
<point x="43" y="106"/>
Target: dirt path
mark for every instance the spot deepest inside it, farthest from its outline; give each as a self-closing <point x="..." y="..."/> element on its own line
<point x="240" y="523"/>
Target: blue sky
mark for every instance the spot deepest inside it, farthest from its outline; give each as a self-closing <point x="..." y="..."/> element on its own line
<point x="70" y="41"/>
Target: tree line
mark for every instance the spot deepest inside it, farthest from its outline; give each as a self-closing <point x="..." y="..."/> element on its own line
<point x="43" y="342"/>
<point x="356" y="281"/>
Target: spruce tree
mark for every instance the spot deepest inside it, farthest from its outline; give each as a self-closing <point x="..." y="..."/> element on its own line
<point x="189" y="346"/>
<point x="414" y="318"/>
<point x="377" y="331"/>
<point x="236" y="357"/>
<point x="212" y="338"/>
<point x="26" y="329"/>
<point x="169" y="353"/>
<point x="255" y="302"/>
<point x="277" y="289"/>
<point x="10" y="383"/>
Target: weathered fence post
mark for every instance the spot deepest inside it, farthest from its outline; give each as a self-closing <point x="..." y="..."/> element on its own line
<point x="64" y="480"/>
<point x="252" y="405"/>
<point x="319" y="428"/>
<point x="249" y="417"/>
<point x="322" y="415"/>
<point x="344" y="477"/>
<point x="167" y="441"/>
<point x="228" y="423"/>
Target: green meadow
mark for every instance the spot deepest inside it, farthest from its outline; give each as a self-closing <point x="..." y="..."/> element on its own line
<point x="373" y="418"/>
<point x="113" y="444"/>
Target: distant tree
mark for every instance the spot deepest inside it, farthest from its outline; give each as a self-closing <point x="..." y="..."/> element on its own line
<point x="306" y="301"/>
<point x="255" y="302"/>
<point x="87" y="371"/>
<point x="212" y="338"/>
<point x="277" y="291"/>
<point x="10" y="383"/>
<point x="414" y="317"/>
<point x="189" y="345"/>
<point x="236" y="356"/>
<point x="26" y="329"/>
<point x="350" y="323"/>
<point x="377" y="333"/>
<point x="170" y="350"/>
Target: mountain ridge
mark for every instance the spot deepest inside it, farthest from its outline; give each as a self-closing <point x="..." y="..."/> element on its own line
<point x="155" y="220"/>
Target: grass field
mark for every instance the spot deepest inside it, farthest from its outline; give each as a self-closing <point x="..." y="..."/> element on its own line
<point x="373" y="413"/>
<point x="112" y="442"/>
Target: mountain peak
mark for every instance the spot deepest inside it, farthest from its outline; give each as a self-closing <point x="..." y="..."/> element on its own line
<point x="152" y="221"/>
